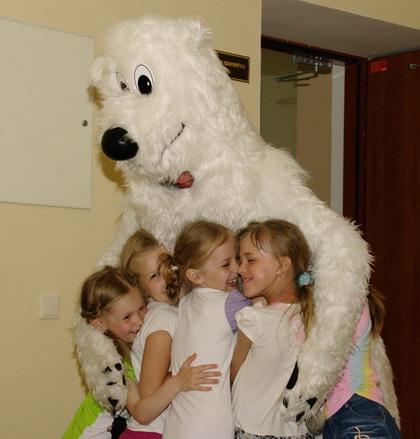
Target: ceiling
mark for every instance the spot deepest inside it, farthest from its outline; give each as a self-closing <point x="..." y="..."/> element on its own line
<point x="325" y="28"/>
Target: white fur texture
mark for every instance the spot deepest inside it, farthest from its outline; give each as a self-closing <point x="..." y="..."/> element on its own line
<point x="387" y="377"/>
<point x="98" y="359"/>
<point x="238" y="177"/>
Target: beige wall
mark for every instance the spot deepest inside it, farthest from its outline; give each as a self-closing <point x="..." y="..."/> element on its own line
<point x="50" y="250"/>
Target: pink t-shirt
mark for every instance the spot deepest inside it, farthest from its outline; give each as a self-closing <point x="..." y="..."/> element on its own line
<point x="359" y="375"/>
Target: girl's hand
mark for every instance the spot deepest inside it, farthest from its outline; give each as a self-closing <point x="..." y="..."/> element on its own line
<point x="149" y="407"/>
<point x="193" y="377"/>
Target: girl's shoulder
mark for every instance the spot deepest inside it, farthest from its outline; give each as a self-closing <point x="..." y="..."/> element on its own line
<point x="259" y="310"/>
<point x="160" y="308"/>
<point x="248" y="314"/>
<point x="161" y="317"/>
<point x="159" y="314"/>
<point x="201" y="295"/>
<point x="250" y="321"/>
<point x="364" y="325"/>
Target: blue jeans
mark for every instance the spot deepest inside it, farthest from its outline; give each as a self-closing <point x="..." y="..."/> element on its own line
<point x="361" y="418"/>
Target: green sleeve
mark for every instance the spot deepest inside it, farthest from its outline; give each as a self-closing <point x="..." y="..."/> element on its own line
<point x="129" y="371"/>
<point x="85" y="416"/>
<point x="89" y="411"/>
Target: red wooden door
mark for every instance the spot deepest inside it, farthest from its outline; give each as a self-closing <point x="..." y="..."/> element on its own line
<point x="392" y="215"/>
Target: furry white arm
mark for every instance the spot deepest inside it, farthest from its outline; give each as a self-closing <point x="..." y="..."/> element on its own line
<point x="126" y="226"/>
<point x="101" y="365"/>
<point x="385" y="372"/>
<point x="341" y="268"/>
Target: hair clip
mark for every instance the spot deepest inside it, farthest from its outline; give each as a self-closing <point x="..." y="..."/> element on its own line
<point x="174" y="268"/>
<point x="304" y="279"/>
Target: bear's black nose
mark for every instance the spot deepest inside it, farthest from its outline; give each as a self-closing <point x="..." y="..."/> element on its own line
<point x="117" y="145"/>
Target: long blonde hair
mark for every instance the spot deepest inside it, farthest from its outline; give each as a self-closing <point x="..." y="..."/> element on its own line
<point x="282" y="238"/>
<point x="194" y="245"/>
<point x="138" y="243"/>
<point x="141" y="242"/>
<point x="99" y="292"/>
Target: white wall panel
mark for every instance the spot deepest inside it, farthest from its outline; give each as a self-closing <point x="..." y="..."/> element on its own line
<point x="45" y="143"/>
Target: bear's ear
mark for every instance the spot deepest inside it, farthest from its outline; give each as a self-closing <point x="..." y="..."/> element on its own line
<point x="194" y="31"/>
<point x="97" y="70"/>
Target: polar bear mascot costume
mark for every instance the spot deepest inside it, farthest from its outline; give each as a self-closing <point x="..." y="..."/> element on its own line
<point x="173" y="123"/>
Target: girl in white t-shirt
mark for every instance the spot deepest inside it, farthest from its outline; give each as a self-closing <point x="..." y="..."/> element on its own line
<point x="110" y="304"/>
<point x="147" y="401"/>
<point x="204" y="260"/>
<point x="274" y="260"/>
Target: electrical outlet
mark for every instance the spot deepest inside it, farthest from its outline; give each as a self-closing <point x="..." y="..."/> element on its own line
<point x="49" y="306"/>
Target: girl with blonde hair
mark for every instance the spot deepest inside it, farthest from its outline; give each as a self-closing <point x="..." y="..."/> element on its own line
<point x="275" y="264"/>
<point x="141" y="259"/>
<point x="204" y="263"/>
<point x="111" y="303"/>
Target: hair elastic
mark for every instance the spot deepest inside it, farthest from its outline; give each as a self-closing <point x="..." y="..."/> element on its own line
<point x="304" y="279"/>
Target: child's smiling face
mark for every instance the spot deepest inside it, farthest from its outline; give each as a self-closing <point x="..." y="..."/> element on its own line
<point x="150" y="280"/>
<point x="220" y="270"/>
<point x="258" y="270"/>
<point x="125" y="316"/>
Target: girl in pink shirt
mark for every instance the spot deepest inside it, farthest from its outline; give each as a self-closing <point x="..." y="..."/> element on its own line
<point x="355" y="408"/>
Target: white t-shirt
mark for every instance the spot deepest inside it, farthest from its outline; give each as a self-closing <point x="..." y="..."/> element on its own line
<point x="159" y="317"/>
<point x="277" y="334"/>
<point x="203" y="328"/>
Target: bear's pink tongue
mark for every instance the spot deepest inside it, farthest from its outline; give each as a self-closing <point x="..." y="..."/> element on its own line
<point x="185" y="180"/>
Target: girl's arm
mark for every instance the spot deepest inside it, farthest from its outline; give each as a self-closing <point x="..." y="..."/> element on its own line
<point x="155" y="363"/>
<point x="145" y="410"/>
<point x="243" y="345"/>
<point x="155" y="392"/>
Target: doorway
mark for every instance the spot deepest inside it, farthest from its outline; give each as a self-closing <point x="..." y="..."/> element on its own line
<point x="303" y="102"/>
<point x="296" y="113"/>
<point x="381" y="162"/>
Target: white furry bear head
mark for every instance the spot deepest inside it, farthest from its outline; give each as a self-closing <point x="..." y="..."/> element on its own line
<point x="164" y="91"/>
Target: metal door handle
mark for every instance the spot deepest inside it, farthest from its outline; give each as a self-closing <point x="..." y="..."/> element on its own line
<point x="414" y="66"/>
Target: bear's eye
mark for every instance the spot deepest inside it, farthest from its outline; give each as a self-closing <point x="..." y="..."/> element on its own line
<point x="143" y="78"/>
<point x="122" y="82"/>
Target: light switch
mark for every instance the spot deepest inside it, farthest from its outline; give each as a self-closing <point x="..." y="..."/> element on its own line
<point x="49" y="306"/>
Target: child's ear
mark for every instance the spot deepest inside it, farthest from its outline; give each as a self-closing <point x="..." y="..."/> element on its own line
<point x="194" y="276"/>
<point x="98" y="323"/>
<point x="285" y="264"/>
